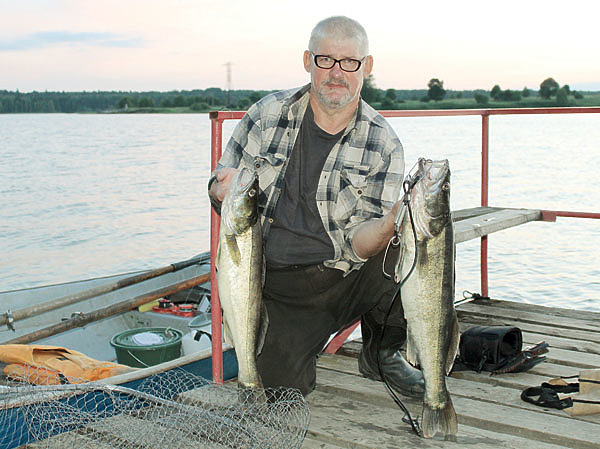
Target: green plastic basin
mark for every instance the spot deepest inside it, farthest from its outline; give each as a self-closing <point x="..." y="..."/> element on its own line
<point x="148" y="346"/>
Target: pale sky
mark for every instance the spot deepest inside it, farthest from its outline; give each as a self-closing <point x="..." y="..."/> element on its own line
<point x="163" y="45"/>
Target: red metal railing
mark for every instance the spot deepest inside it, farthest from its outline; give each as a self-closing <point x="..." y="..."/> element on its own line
<point x="218" y="117"/>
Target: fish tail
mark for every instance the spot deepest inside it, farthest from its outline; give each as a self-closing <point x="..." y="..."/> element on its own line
<point x="441" y="420"/>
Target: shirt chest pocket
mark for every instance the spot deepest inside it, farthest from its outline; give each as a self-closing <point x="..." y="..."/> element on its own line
<point x="268" y="167"/>
<point x="352" y="186"/>
<point x="354" y="178"/>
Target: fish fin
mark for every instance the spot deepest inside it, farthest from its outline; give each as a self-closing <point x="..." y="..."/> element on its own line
<point x="264" y="269"/>
<point x="227" y="333"/>
<point x="399" y="264"/>
<point x="442" y="420"/>
<point x="218" y="256"/>
<point x="453" y="346"/>
<point x="234" y="249"/>
<point x="262" y="331"/>
<point x="411" y="351"/>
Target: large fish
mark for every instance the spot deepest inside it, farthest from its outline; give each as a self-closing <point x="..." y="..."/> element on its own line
<point x="239" y="276"/>
<point x="428" y="293"/>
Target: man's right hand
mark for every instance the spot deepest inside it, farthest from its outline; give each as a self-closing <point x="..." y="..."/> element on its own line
<point x="221" y="187"/>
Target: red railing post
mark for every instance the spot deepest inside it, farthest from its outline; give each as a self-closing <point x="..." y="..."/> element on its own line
<point x="485" y="134"/>
<point x="216" y="145"/>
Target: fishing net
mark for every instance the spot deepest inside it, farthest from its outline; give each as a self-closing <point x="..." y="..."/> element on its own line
<point x="174" y="409"/>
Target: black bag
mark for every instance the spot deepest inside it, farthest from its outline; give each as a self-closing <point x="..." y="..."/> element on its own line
<point x="489" y="348"/>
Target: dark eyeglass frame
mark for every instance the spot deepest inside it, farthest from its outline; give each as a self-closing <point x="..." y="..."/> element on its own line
<point x="338" y="61"/>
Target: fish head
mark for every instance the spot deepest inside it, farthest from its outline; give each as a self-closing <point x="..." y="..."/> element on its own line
<point x="430" y="197"/>
<point x="239" y="210"/>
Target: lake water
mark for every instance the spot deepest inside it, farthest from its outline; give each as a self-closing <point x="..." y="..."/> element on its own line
<point x="91" y="195"/>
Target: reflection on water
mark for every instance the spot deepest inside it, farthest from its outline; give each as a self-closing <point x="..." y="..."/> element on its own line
<point x="91" y="195"/>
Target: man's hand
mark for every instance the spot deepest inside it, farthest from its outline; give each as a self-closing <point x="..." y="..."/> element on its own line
<point x="221" y="187"/>
<point x="372" y="236"/>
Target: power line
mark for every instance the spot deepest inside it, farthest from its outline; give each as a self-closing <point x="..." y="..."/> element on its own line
<point x="228" y="65"/>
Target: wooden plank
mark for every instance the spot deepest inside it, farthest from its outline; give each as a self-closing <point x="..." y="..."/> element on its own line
<point x="211" y="396"/>
<point x="312" y="442"/>
<point x="556" y="339"/>
<point x="587" y="347"/>
<point x="462" y="214"/>
<point x="571" y="358"/>
<point x="350" y="423"/>
<point x="574" y="359"/>
<point x="503" y="389"/>
<point x="553" y="367"/>
<point x="264" y="420"/>
<point x="123" y="430"/>
<point x="591" y="323"/>
<point x="478" y="226"/>
<point x="505" y="419"/>
<point x="539" y="308"/>
<point x="468" y="320"/>
<point x="551" y="370"/>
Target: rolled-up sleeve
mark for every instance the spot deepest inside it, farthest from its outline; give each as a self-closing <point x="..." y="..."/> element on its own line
<point x="245" y="141"/>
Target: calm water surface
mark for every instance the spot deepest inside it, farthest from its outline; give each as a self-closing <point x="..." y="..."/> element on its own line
<point x="90" y="195"/>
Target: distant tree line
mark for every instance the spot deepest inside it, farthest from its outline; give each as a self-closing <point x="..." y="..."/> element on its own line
<point x="215" y="98"/>
<point x="395" y="99"/>
<point x="198" y="100"/>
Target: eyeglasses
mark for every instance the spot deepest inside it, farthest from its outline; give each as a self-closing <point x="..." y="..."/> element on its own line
<point x="346" y="64"/>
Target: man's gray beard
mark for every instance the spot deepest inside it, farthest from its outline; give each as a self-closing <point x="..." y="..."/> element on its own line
<point x="333" y="104"/>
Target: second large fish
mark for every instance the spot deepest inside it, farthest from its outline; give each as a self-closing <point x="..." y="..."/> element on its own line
<point x="428" y="293"/>
<point x="239" y="276"/>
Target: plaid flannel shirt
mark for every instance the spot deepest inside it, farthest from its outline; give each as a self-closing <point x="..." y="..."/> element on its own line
<point x="361" y="178"/>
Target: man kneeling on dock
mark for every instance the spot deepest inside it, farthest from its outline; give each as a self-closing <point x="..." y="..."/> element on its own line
<point x="330" y="170"/>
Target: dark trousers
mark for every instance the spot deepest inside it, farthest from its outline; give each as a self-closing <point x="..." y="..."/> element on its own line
<point x="308" y="304"/>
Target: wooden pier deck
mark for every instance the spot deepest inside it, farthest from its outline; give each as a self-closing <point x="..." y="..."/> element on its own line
<point x="349" y="411"/>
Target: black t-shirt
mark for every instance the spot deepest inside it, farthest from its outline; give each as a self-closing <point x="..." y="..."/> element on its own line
<point x="297" y="234"/>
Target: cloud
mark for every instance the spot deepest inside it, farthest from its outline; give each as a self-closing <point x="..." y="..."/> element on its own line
<point x="60" y="38"/>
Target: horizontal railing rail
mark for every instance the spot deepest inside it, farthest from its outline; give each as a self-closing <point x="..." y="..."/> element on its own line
<point x="218" y="117"/>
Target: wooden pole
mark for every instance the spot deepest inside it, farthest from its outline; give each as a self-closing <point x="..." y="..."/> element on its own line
<point x="54" y="304"/>
<point x="114" y="309"/>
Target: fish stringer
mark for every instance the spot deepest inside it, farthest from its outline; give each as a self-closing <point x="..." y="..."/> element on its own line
<point x="395" y="242"/>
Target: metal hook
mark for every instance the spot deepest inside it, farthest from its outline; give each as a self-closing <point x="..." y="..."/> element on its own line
<point x="400" y="216"/>
<point x="394" y="242"/>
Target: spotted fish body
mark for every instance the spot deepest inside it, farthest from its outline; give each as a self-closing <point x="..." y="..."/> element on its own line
<point x="239" y="275"/>
<point x="428" y="294"/>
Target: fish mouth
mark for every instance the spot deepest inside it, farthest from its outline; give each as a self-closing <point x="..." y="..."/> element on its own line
<point x="433" y="172"/>
<point x="239" y="211"/>
<point x="246" y="178"/>
<point x="430" y="196"/>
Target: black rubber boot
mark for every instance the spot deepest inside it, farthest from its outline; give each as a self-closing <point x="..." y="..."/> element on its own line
<point x="401" y="375"/>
